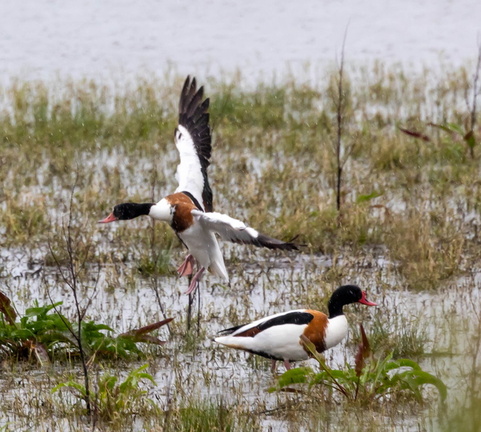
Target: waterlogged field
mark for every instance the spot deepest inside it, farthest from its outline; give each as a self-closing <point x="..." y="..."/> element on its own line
<point x="407" y="232"/>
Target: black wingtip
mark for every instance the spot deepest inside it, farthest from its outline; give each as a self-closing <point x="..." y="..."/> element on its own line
<point x="272" y="243"/>
<point x="194" y="116"/>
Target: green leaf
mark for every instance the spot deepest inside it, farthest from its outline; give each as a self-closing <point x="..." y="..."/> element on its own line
<point x="455" y="128"/>
<point x="71" y="385"/>
<point x="449" y="127"/>
<point x="408" y="363"/>
<point x="109" y="381"/>
<point x="22" y="334"/>
<point x="146" y="376"/>
<point x="420" y="378"/>
<point x="292" y="376"/>
<point x="364" y="198"/>
<point x="40" y="310"/>
<point x="91" y="326"/>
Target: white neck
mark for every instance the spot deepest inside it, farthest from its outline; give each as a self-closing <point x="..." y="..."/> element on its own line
<point x="162" y="211"/>
<point x="336" y="331"/>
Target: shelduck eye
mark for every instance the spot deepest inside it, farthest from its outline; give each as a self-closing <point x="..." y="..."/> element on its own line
<point x="117" y="211"/>
<point x="122" y="211"/>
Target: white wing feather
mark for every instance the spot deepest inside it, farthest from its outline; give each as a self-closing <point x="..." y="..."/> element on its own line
<point x="228" y="228"/>
<point x="189" y="174"/>
<point x="236" y="231"/>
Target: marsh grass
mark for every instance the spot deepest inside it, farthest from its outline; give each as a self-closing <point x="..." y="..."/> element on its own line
<point x="114" y="399"/>
<point x="210" y="416"/>
<point x="428" y="248"/>
<point x="411" y="203"/>
<point x="404" y="339"/>
<point x="24" y="221"/>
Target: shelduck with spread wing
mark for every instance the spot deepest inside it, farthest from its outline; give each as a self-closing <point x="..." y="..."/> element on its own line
<point x="189" y="210"/>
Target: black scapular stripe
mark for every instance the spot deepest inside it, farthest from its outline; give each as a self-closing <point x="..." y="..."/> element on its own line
<point x="298" y="318"/>
<point x="199" y="207"/>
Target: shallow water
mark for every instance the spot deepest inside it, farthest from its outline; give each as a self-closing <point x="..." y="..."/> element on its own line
<point x="261" y="285"/>
<point x="117" y="41"/>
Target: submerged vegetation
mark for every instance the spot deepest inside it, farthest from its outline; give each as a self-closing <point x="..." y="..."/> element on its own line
<point x="408" y="231"/>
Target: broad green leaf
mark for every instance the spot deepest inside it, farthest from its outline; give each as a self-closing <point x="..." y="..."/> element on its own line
<point x="292" y="376"/>
<point x="408" y="363"/>
<point x="40" y="310"/>
<point x="22" y="334"/>
<point x="420" y="377"/>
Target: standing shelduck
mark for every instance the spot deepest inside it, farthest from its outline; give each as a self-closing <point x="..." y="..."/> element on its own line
<point x="277" y="337"/>
<point x="189" y="210"/>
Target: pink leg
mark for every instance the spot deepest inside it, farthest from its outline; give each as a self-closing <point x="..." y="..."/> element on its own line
<point x="187" y="267"/>
<point x="287" y="364"/>
<point x="195" y="281"/>
<point x="273" y="366"/>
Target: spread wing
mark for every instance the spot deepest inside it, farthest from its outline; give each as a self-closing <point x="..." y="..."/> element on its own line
<point x="298" y="317"/>
<point x="193" y="141"/>
<point x="236" y="231"/>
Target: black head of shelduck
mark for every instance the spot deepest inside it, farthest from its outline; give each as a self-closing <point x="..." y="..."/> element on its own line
<point x="126" y="211"/>
<point x="344" y="295"/>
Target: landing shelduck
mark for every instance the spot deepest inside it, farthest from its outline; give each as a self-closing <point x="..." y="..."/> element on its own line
<point x="189" y="210"/>
<point x="277" y="337"/>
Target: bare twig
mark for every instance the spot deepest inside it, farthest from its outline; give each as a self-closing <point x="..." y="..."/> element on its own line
<point x="155" y="286"/>
<point x="70" y="278"/>
<point x="340" y="124"/>
<point x="340" y="106"/>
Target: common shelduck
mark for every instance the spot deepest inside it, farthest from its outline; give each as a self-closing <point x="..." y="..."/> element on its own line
<point x="189" y="210"/>
<point x="277" y="337"/>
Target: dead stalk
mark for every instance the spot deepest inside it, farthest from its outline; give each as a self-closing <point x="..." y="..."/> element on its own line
<point x="473" y="107"/>
<point x="340" y="103"/>
<point x="70" y="278"/>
